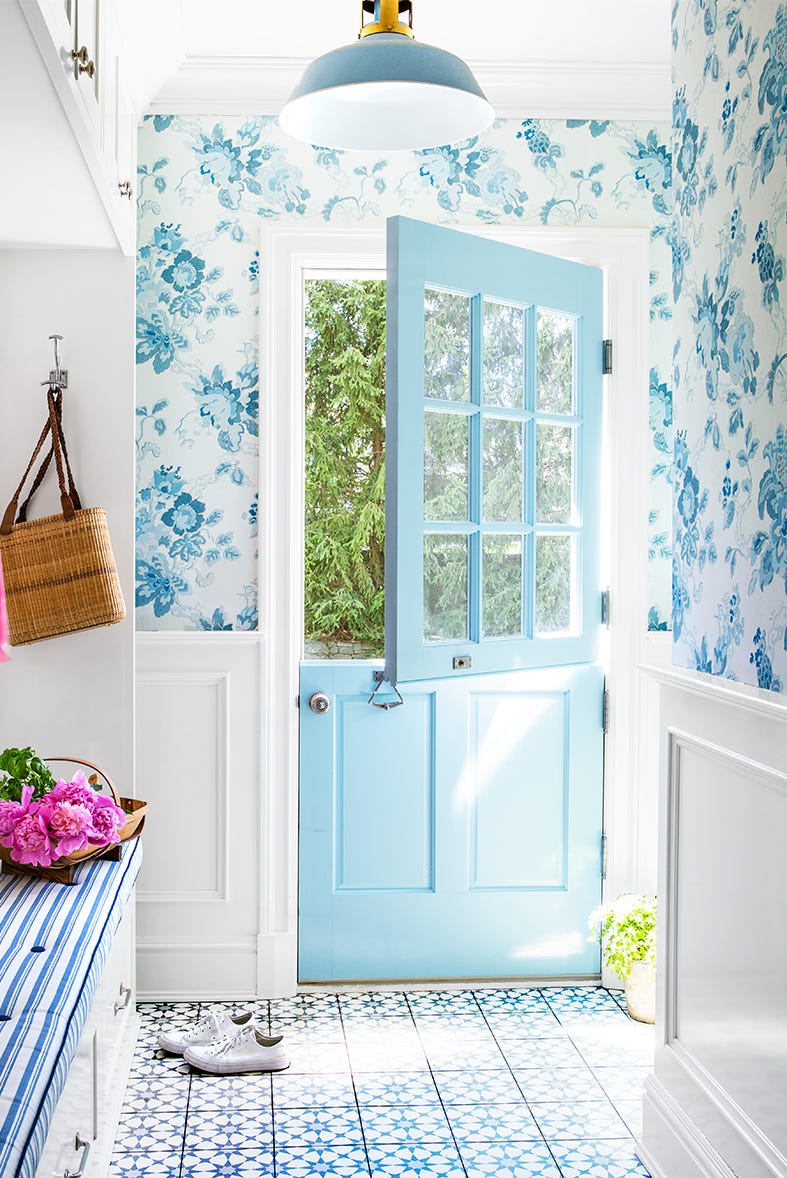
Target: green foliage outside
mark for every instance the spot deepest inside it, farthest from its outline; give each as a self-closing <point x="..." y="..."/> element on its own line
<point x="21" y="767"/>
<point x="627" y="930"/>
<point x="345" y="466"/>
<point x="345" y="462"/>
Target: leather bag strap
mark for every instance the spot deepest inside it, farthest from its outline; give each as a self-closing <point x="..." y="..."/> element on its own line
<point x="53" y="426"/>
<point x="44" y="467"/>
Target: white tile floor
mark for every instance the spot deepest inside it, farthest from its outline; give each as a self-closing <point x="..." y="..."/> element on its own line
<point x="486" y="1083"/>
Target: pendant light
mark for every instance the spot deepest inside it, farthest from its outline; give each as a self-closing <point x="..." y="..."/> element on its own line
<point x="386" y="91"/>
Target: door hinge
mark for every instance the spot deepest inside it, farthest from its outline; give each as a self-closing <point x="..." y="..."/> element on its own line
<point x="297" y="701"/>
<point x="606" y="357"/>
<point x="605" y="712"/>
<point x="603" y="856"/>
<point x="605" y="607"/>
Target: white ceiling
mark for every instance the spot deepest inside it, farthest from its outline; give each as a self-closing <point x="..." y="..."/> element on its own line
<point x="505" y="31"/>
<point x="555" y="58"/>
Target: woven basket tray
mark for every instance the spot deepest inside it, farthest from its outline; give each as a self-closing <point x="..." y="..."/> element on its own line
<point x="64" y="870"/>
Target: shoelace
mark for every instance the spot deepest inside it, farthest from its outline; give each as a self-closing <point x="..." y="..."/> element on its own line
<point x="233" y="1041"/>
<point x="208" y="1022"/>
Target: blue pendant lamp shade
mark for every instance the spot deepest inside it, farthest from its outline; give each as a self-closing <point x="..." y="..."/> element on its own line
<point x="386" y="92"/>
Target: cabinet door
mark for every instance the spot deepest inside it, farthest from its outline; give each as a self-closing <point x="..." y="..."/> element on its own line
<point x="75" y="1113"/>
<point x="88" y="63"/>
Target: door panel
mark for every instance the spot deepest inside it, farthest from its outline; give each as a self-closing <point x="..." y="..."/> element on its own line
<point x="493" y="455"/>
<point x="456" y="836"/>
<point x="459" y="834"/>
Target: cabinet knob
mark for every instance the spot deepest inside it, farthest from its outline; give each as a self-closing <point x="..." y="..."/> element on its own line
<point x="83" y="63"/>
<point x="125" y="189"/>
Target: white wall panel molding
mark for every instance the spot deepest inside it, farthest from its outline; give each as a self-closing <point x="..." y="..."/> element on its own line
<point x="714" y="688"/>
<point x="538" y="89"/>
<point x="198" y="755"/>
<point x="716" y="1106"/>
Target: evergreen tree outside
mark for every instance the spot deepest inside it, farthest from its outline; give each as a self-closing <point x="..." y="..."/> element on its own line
<point x="345" y="462"/>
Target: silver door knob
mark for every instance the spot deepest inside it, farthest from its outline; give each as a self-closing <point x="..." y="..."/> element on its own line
<point x="320" y="702"/>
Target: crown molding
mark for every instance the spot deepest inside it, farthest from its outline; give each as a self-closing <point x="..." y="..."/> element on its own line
<point x="551" y="90"/>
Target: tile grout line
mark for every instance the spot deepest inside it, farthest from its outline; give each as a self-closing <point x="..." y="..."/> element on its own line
<point x="592" y="1070"/>
<point x="437" y="1089"/>
<point x="273" y="1103"/>
<point x="352" y="1081"/>
<point x="513" y="1074"/>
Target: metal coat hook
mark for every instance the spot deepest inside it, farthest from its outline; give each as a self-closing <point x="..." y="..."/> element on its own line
<point x="386" y="705"/>
<point x="58" y="377"/>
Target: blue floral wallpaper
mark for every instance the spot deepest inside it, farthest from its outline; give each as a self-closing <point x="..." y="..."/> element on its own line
<point x="206" y="186"/>
<point x="729" y="245"/>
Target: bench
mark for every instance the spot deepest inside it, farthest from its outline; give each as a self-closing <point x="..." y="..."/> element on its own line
<point x="67" y="1016"/>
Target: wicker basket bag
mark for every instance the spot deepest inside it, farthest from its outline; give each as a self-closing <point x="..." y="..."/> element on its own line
<point x="59" y="571"/>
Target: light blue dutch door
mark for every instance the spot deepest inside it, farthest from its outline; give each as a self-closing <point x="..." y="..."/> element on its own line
<point x="459" y="833"/>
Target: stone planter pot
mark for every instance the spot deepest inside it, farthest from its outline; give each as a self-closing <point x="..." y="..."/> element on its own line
<point x="640" y="987"/>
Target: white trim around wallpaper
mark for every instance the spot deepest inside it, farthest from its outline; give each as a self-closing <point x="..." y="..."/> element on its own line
<point x="224" y="86"/>
<point x="623" y="255"/>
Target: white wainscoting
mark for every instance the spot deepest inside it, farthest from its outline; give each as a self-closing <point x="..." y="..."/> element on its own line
<point x="198" y="764"/>
<point x="717" y="1102"/>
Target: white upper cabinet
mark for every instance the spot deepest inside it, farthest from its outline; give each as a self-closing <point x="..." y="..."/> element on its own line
<point x="79" y="47"/>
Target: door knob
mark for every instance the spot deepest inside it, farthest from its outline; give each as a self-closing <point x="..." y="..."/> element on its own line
<point x="320" y="702"/>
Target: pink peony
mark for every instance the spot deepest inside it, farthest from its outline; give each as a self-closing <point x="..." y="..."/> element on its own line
<point x="10" y="813"/>
<point x="69" y="824"/>
<point x="30" y="841"/>
<point x="106" y="821"/>
<point x="77" y="791"/>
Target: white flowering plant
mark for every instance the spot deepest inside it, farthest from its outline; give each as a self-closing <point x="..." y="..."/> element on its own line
<point x="626" y="927"/>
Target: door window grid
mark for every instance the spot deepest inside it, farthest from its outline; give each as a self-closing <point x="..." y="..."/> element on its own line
<point x="549" y="605"/>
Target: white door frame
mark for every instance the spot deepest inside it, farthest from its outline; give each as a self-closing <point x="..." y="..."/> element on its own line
<point x="285" y="254"/>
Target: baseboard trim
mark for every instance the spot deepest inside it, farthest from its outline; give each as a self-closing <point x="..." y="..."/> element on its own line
<point x="674" y="1145"/>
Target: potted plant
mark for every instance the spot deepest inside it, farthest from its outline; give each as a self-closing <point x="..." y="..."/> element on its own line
<point x="626" y="927"/>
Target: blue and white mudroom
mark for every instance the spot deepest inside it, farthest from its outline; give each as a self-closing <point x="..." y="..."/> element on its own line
<point x="393" y="613"/>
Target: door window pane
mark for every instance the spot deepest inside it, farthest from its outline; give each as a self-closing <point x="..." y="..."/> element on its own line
<point x="502" y="470"/>
<point x="445" y="466"/>
<point x="554" y="577"/>
<point x="502" y="573"/>
<point x="554" y="468"/>
<point x="554" y="363"/>
<point x="504" y="355"/>
<point x="446" y="345"/>
<point x="445" y="588"/>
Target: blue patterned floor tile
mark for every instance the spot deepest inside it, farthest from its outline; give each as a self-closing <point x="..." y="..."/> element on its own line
<point x="584" y="1119"/>
<point x="145" y="1165"/>
<point x="158" y="1063"/>
<point x="307" y="1091"/>
<point x="152" y="1130"/>
<point x="511" y="1001"/>
<point x="319" y="1057"/>
<point x="622" y="1083"/>
<point x="317" y="1127"/>
<point x="604" y="1046"/>
<point x="392" y="1002"/>
<point x="168" y="1092"/>
<point x="518" y="1159"/>
<point x="393" y="1124"/>
<point x="227" y="1163"/>
<point x="415" y="1161"/>
<point x="578" y="998"/>
<point x="229" y="1129"/>
<point x="489" y="1087"/>
<point x="447" y="1001"/>
<point x="527" y="1024"/>
<point x="559" y="1084"/>
<point x="168" y="1011"/>
<point x="383" y="1088"/>
<point x="311" y="1162"/>
<point x="598" y="1159"/>
<point x="631" y="1112"/>
<point x="503" y="1122"/>
<point x="542" y="1053"/>
<point x="221" y="1092"/>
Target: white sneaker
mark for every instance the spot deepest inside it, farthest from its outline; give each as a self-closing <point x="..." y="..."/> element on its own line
<point x="248" y="1050"/>
<point x="216" y="1025"/>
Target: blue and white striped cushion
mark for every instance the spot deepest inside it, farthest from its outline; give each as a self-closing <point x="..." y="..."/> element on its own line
<point x="54" y="941"/>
